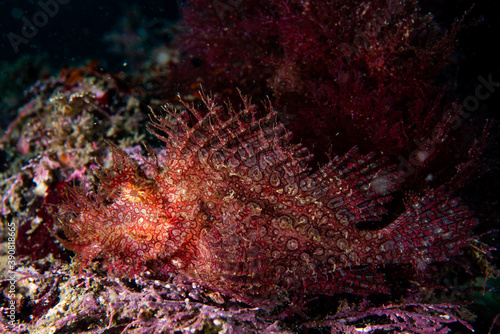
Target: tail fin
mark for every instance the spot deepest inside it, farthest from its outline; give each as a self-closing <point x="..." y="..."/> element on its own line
<point x="433" y="228"/>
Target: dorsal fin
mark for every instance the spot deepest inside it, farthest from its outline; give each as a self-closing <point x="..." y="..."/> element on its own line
<point x="222" y="130"/>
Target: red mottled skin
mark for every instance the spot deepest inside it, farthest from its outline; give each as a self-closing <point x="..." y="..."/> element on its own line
<point x="237" y="208"/>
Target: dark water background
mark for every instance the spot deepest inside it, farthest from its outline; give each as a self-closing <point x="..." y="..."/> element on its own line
<point x="75" y="34"/>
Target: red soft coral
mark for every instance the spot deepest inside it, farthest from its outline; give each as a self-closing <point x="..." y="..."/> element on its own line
<point x="341" y="73"/>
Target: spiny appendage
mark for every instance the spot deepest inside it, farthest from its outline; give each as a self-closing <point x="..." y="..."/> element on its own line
<point x="219" y="131"/>
<point x="78" y="236"/>
<point x="124" y="170"/>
